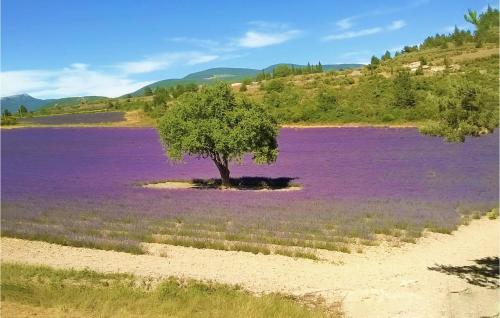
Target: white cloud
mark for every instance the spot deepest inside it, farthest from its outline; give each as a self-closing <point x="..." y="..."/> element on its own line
<point x="352" y="34"/>
<point x="16" y="82"/>
<point x="75" y="80"/>
<point x="163" y="61"/>
<point x="396" y="25"/>
<point x="259" y="34"/>
<point x="263" y="33"/>
<point x="254" y="39"/>
<point x="345" y="24"/>
<point x="200" y="59"/>
<point x="80" y="79"/>
<point x="79" y="66"/>
<point x="143" y="66"/>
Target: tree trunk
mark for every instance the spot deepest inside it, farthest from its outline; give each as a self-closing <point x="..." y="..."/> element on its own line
<point x="224" y="174"/>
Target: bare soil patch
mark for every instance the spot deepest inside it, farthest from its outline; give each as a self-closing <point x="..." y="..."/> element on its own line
<point x="237" y="184"/>
<point x="383" y="281"/>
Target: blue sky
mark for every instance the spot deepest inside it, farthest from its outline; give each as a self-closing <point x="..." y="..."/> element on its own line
<point x="60" y="48"/>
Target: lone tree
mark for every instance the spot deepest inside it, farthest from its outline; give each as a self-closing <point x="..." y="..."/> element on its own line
<point x="22" y="110"/>
<point x="213" y="123"/>
<point x="6" y="113"/>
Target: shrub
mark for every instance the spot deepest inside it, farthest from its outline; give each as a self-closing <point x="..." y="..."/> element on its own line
<point x="404" y="94"/>
<point x="466" y="111"/>
<point x="326" y="99"/>
<point x="275" y="85"/>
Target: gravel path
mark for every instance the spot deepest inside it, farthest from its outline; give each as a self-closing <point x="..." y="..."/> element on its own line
<point x="383" y="282"/>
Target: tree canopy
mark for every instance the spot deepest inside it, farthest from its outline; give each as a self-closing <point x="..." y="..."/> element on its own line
<point x="22" y="110"/>
<point x="213" y="123"/>
<point x="468" y="111"/>
<point x="148" y="91"/>
<point x="404" y="95"/>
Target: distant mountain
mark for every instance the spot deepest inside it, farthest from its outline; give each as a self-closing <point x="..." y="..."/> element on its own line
<point x="221" y="73"/>
<point x="227" y="74"/>
<point x="70" y="101"/>
<point x="230" y="75"/>
<point x="326" y="67"/>
<point x="13" y="102"/>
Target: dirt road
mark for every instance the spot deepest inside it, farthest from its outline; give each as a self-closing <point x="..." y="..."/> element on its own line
<point x="416" y="280"/>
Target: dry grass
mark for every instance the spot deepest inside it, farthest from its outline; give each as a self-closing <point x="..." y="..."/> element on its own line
<point x="47" y="292"/>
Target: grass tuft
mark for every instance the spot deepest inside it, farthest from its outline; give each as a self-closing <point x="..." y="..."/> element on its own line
<point x="91" y="294"/>
<point x="493" y="214"/>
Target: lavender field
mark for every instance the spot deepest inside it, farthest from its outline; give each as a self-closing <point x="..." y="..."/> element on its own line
<point x="81" y="187"/>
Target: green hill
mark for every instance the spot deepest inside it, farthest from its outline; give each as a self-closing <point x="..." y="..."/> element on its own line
<point x="70" y="101"/>
<point x="230" y="75"/>
<point x="12" y="103"/>
<point x="326" y="67"/>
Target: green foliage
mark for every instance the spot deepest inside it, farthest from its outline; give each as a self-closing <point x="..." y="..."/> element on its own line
<point x="161" y="98"/>
<point x="284" y="70"/>
<point x="486" y="31"/>
<point x="409" y="49"/>
<point x="419" y="70"/>
<point x="262" y="76"/>
<point x="446" y="62"/>
<point x="286" y="104"/>
<point x="471" y="17"/>
<point x="493" y="214"/>
<point x="243" y="87"/>
<point x="487" y="26"/>
<point x="110" y="105"/>
<point x="213" y="124"/>
<point x="386" y="56"/>
<point x="467" y="111"/>
<point x="22" y="111"/>
<point x="148" y="91"/>
<point x="326" y="99"/>
<point x="180" y="89"/>
<point x="86" y="293"/>
<point x="374" y="63"/>
<point x="404" y="94"/>
<point x="7" y="118"/>
<point x="275" y="85"/>
<point x="6" y="113"/>
<point x="247" y="81"/>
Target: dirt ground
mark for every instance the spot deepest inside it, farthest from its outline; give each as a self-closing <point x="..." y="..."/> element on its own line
<point x="440" y="276"/>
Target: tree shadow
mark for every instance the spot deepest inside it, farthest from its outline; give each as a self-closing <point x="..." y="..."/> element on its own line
<point x="248" y="183"/>
<point x="484" y="274"/>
